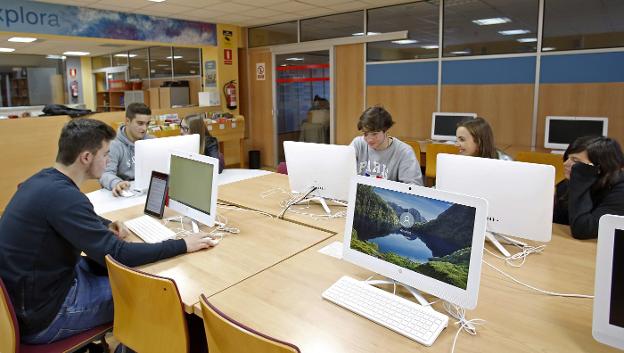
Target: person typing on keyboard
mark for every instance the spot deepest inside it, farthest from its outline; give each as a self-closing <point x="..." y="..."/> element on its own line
<point x="45" y="227"/>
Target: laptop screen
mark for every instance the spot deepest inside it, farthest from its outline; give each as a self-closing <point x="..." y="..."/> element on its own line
<point x="616" y="310"/>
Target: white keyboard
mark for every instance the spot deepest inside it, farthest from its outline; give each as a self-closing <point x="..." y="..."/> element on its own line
<point x="150" y="229"/>
<point x="407" y="318"/>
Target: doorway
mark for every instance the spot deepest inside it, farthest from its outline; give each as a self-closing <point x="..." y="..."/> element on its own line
<point x="302" y="98"/>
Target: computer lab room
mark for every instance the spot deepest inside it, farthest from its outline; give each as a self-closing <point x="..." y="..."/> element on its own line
<point x="299" y="176"/>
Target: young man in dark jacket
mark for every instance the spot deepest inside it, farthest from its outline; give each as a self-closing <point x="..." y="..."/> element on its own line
<point x="46" y="226"/>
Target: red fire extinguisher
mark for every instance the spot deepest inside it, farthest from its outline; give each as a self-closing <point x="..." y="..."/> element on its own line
<point x="229" y="90"/>
<point x="74" y="88"/>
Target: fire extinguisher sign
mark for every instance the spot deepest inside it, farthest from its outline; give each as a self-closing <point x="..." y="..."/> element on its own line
<point x="227" y="56"/>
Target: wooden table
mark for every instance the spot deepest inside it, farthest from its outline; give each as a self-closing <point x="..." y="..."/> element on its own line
<point x="268" y="192"/>
<point x="261" y="243"/>
<point x="285" y="302"/>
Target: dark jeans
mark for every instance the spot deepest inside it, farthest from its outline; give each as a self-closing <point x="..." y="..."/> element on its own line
<point x="88" y="304"/>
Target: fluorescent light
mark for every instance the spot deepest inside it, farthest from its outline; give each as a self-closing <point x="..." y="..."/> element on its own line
<point x="125" y="55"/>
<point x="429" y="46"/>
<point x="56" y="57"/>
<point x="513" y="32"/>
<point x="76" y="53"/>
<point x="175" y="57"/>
<point x="294" y="59"/>
<point x="527" y="40"/>
<point x="22" y="39"/>
<point x="157" y="0"/>
<point x="367" y="33"/>
<point x="405" y="41"/>
<point x="491" y="21"/>
<point x="548" y="48"/>
<point x="6" y="50"/>
<point x="460" y="52"/>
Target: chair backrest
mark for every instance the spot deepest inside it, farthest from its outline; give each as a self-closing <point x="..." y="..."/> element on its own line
<point x="149" y="316"/>
<point x="9" y="331"/>
<point x="416" y="147"/>
<point x="225" y="335"/>
<point x="556" y="160"/>
<point x="432" y="155"/>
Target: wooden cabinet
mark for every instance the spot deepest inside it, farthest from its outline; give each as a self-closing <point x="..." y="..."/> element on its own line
<point x="110" y="101"/>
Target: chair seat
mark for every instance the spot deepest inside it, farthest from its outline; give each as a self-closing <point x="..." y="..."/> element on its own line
<point x="68" y="344"/>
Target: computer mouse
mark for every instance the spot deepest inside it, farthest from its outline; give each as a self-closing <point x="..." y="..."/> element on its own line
<point x="211" y="241"/>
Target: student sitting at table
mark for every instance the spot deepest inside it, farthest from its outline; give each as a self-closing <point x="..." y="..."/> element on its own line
<point x="120" y="168"/>
<point x="45" y="227"/>
<point x="208" y="144"/>
<point x="379" y="155"/>
<point x="475" y="138"/>
<point x="593" y="185"/>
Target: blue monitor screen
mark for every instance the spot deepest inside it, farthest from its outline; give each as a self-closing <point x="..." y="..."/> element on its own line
<point x="425" y="235"/>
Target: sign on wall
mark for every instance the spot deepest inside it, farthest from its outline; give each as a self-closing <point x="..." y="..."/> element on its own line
<point x="260" y="71"/>
<point x="227" y="56"/>
<point x="45" y="18"/>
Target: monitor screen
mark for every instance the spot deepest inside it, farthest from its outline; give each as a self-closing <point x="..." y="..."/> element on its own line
<point x="616" y="312"/>
<point x="561" y="131"/>
<point x="429" y="239"/>
<point x="327" y="167"/>
<point x="444" y="125"/>
<point x="520" y="195"/>
<point x="193" y="186"/>
<point x="608" y="315"/>
<point x="153" y="155"/>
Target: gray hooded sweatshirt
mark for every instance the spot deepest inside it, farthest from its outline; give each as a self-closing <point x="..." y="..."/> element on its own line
<point x="120" y="165"/>
<point x="397" y="162"/>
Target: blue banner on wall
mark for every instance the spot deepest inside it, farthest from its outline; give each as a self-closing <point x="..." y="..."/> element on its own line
<point x="37" y="17"/>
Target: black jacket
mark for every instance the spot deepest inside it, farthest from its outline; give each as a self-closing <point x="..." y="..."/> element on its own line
<point x="45" y="226"/>
<point x="580" y="207"/>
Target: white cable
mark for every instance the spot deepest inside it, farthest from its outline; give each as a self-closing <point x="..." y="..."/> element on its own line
<point x="519" y="256"/>
<point x="459" y="313"/>
<point x="241" y="209"/>
<point x="537" y="289"/>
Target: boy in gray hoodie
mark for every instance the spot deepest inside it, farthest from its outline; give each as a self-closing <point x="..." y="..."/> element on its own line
<point x="120" y="168"/>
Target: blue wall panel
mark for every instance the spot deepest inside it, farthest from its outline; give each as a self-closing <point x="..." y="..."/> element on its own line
<point x="489" y="71"/>
<point x="582" y="68"/>
<point x="402" y="74"/>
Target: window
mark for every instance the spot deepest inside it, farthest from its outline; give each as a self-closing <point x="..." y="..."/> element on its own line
<point x="583" y="24"/>
<point x="333" y="26"/>
<point x="120" y="59"/>
<point x="420" y="19"/>
<point x="98" y="62"/>
<point x="280" y="33"/>
<point x="160" y="62"/>
<point x="490" y="27"/>
<point x="186" y="61"/>
<point x="138" y="64"/>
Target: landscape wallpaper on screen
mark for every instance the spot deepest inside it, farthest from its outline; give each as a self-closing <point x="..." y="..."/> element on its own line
<point x="428" y="236"/>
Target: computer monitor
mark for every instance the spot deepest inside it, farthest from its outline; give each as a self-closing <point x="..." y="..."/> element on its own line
<point x="428" y="239"/>
<point x="153" y="155"/>
<point x="560" y="131"/>
<point x="608" y="321"/>
<point x="444" y="125"/>
<point x="520" y="195"/>
<point x="329" y="168"/>
<point x="193" y="186"/>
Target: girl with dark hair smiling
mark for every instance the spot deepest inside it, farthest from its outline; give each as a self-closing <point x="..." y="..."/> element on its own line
<point x="593" y="185"/>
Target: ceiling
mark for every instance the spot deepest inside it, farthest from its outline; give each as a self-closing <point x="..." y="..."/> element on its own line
<point x="43" y="46"/>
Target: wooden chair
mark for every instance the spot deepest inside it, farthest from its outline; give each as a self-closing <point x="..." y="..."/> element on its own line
<point x="556" y="160"/>
<point x="226" y="335"/>
<point x="432" y="155"/>
<point x="10" y="336"/>
<point x="416" y="147"/>
<point x="149" y="316"/>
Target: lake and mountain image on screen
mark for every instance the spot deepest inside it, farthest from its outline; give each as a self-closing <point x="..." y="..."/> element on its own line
<point x="428" y="236"/>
